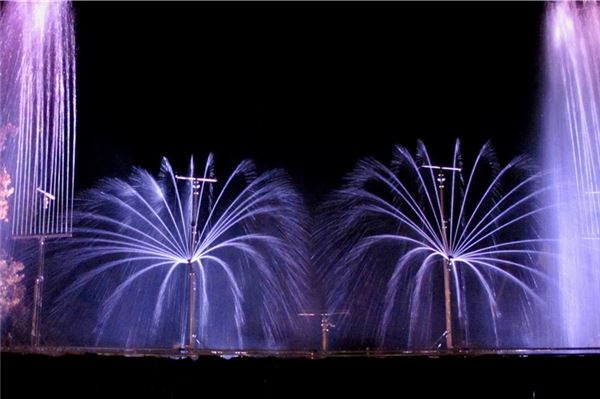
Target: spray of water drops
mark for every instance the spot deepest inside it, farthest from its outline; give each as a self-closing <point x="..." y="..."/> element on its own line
<point x="140" y="241"/>
<point x="399" y="229"/>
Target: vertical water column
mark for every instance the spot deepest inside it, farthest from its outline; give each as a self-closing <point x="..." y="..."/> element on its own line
<point x="37" y="94"/>
<point x="572" y="152"/>
<point x="37" y="104"/>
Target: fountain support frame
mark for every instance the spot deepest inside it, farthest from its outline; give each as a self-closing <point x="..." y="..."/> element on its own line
<point x="441" y="178"/>
<point x="38" y="288"/>
<point x="196" y="186"/>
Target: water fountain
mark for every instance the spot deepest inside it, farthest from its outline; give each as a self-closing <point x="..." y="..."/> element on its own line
<point x="411" y="217"/>
<point x="38" y="99"/>
<point x="572" y="152"/>
<point x="434" y="260"/>
<point x="174" y="262"/>
<point x="37" y="105"/>
<point x="415" y="235"/>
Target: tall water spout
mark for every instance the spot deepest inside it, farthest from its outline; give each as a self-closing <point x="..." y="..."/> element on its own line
<point x="37" y="102"/>
<point x="37" y="122"/>
<point x="572" y="152"/>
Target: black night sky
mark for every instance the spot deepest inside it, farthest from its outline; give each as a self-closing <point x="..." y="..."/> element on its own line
<point x="304" y="86"/>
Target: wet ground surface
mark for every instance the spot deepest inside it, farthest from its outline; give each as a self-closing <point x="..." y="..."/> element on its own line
<point x="113" y="373"/>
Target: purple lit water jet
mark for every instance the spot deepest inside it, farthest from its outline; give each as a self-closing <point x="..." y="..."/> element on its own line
<point x="37" y="98"/>
<point x="393" y="229"/>
<point x="135" y="259"/>
<point x="38" y="119"/>
<point x="572" y="153"/>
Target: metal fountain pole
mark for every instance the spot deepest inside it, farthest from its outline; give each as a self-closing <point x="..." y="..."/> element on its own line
<point x="196" y="185"/>
<point x="38" y="289"/>
<point x="37" y="294"/>
<point x="192" y="273"/>
<point x="447" y="293"/>
<point x="326" y="326"/>
<point x="441" y="178"/>
<point x="39" y="279"/>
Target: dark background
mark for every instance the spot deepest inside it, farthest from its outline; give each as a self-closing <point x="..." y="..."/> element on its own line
<point x="310" y="87"/>
<point x="514" y="377"/>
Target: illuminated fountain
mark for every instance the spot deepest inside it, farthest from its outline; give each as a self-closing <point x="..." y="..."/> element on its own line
<point x="572" y="153"/>
<point x="37" y="114"/>
<point x="174" y="262"/>
<point x="436" y="260"/>
<point x="38" y="99"/>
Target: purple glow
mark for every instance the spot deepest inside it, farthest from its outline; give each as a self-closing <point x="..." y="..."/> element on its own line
<point x="572" y="134"/>
<point x="391" y="229"/>
<point x="135" y="250"/>
<point x="563" y="28"/>
<point x="38" y="97"/>
<point x="39" y="15"/>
